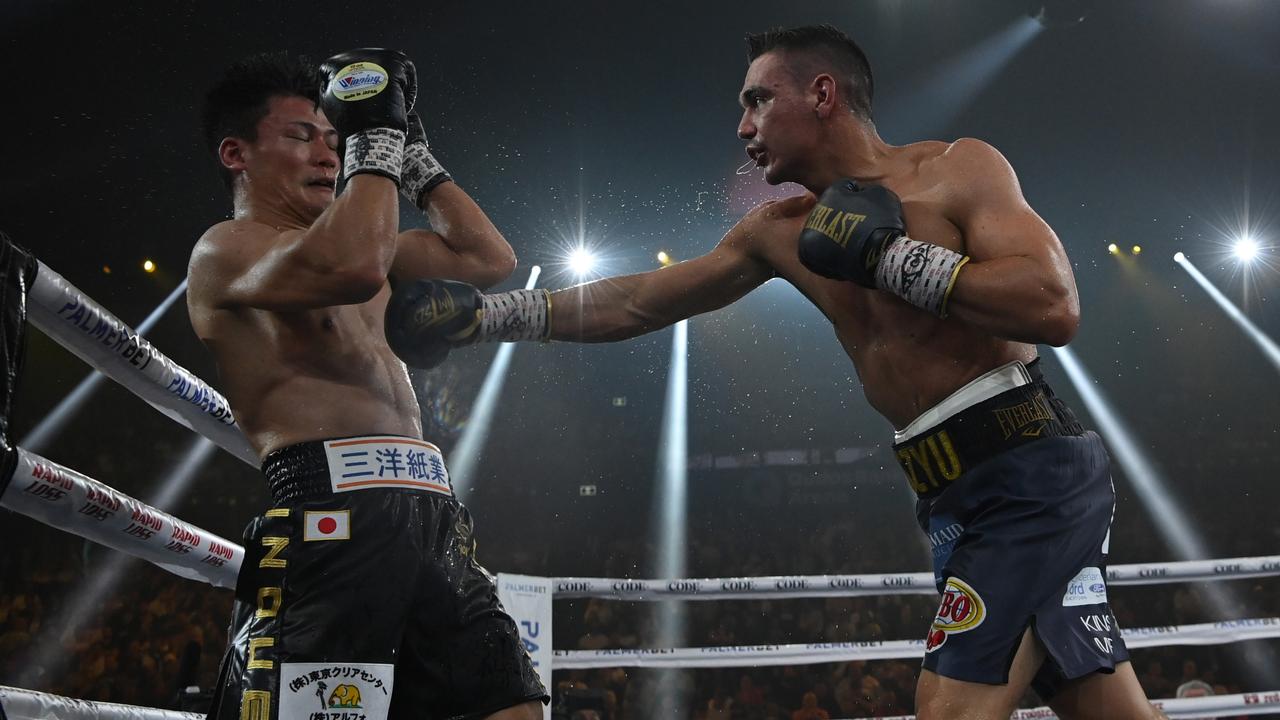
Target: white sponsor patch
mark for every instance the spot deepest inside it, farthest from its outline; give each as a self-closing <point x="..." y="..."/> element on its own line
<point x="961" y="610"/>
<point x="386" y="461"/>
<point x="1086" y="588"/>
<point x="335" y="691"/>
<point x="335" y="525"/>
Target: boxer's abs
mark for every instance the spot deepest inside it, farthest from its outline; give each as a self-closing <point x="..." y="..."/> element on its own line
<point x="908" y="361"/>
<point x="319" y="374"/>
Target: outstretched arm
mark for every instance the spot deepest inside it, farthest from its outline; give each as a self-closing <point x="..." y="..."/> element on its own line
<point x="427" y="318"/>
<point x="623" y="307"/>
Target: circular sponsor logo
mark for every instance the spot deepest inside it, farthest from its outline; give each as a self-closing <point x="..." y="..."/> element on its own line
<point x="961" y="608"/>
<point x="358" y="81"/>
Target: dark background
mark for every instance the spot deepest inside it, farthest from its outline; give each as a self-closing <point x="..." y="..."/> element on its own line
<point x="1151" y="123"/>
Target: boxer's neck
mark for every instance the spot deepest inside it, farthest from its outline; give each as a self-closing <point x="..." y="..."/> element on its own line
<point x="852" y="149"/>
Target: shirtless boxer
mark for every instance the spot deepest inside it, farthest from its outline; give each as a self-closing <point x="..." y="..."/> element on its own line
<point x="940" y="281"/>
<point x="360" y="593"/>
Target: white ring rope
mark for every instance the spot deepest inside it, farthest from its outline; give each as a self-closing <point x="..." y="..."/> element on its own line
<point x="61" y="497"/>
<point x="1227" y="631"/>
<point x="742" y="588"/>
<point x="22" y="704"/>
<point x="1261" y="703"/>
<point x="101" y="339"/>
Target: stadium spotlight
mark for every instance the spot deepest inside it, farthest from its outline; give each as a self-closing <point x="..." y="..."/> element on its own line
<point x="1113" y="249"/>
<point x="581" y="261"/>
<point x="1245" y="249"/>
<point x="1137" y="249"/>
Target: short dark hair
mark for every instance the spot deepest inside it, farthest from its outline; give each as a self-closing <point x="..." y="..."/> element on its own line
<point x="235" y="105"/>
<point x="821" y="48"/>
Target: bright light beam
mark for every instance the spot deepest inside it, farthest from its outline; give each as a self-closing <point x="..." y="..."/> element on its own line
<point x="581" y="261"/>
<point x="672" y="511"/>
<point x="1259" y="338"/>
<point x="466" y="455"/>
<point x="939" y="97"/>
<point x="1245" y="249"/>
<point x="1169" y="519"/>
<point x="44" y="433"/>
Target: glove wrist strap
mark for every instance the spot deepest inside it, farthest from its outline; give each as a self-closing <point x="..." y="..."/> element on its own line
<point x="514" y="316"/>
<point x="921" y="273"/>
<point x="420" y="173"/>
<point x="376" y="150"/>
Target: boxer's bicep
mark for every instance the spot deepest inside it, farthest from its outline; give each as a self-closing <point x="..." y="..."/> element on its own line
<point x="251" y="265"/>
<point x="1018" y="284"/>
<point x="423" y="253"/>
<point x="992" y="214"/>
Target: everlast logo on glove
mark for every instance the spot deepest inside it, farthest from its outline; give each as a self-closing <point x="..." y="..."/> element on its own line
<point x="838" y="226"/>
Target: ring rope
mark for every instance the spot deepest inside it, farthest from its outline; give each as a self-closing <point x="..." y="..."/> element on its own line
<point x="63" y="498"/>
<point x="19" y="704"/>
<point x="106" y="343"/>
<point x="1260" y="703"/>
<point x="1226" y="631"/>
<point x="775" y="586"/>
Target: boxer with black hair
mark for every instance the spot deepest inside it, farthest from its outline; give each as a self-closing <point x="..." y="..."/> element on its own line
<point x="360" y="592"/>
<point x="940" y="281"/>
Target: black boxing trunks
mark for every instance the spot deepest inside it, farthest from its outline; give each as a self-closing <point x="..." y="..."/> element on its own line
<point x="1019" y="523"/>
<point x="360" y="597"/>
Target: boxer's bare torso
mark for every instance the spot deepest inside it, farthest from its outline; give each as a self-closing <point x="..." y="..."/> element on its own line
<point x="304" y="374"/>
<point x="907" y="360"/>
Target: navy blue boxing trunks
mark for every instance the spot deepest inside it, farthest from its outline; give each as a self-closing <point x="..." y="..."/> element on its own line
<point x="360" y="597"/>
<point x="1017" y="501"/>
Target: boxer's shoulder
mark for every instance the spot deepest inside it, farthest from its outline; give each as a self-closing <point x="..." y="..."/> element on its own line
<point x="782" y="208"/>
<point x="224" y="252"/>
<point x="771" y="217"/>
<point x="966" y="160"/>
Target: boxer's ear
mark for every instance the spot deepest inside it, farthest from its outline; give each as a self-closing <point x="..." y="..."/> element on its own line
<point x="231" y="154"/>
<point x="825" y="93"/>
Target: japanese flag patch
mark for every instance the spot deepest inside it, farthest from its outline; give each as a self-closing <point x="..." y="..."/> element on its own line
<point x="330" y="525"/>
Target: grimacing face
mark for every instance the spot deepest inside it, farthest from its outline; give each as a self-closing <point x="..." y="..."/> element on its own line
<point x="294" y="162"/>
<point x="778" y="120"/>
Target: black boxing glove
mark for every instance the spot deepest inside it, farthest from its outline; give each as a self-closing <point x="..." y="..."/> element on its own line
<point x="857" y="233"/>
<point x="367" y="95"/>
<point x="425" y="319"/>
<point x="421" y="172"/>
